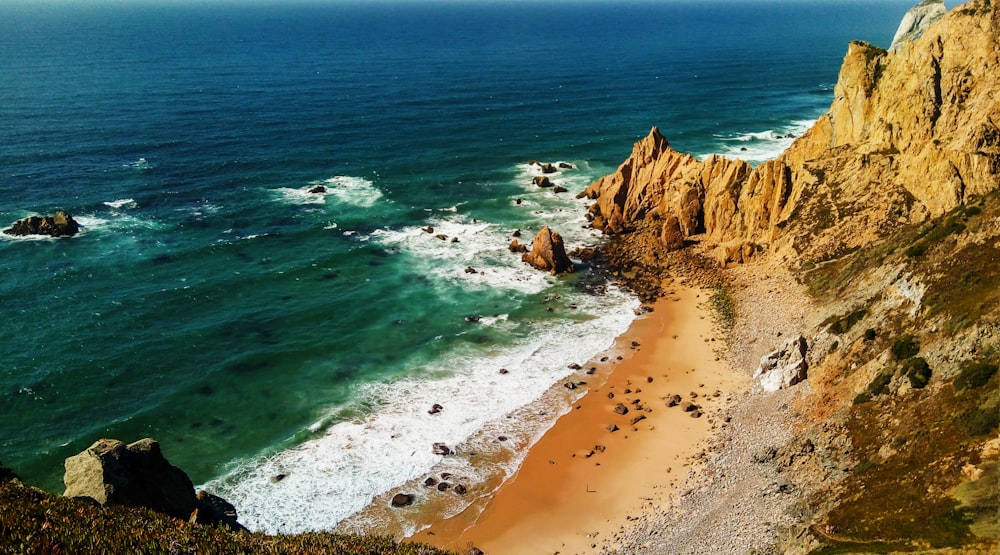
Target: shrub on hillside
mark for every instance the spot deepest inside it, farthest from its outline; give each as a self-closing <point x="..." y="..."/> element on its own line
<point x="905" y="347"/>
<point x="975" y="375"/>
<point x="918" y="371"/>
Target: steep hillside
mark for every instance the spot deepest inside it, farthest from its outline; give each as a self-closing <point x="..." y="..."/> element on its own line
<point x="910" y="135"/>
<point x="885" y="219"/>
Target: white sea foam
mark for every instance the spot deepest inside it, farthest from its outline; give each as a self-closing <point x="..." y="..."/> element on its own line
<point x="355" y="191"/>
<point x="328" y="478"/>
<point x="122" y="203"/>
<point x="140" y="164"/>
<point x="340" y="471"/>
<point x="761" y="146"/>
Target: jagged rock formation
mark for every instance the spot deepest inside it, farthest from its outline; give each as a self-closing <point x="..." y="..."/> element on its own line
<point x="137" y="475"/>
<point x="917" y="20"/>
<point x="784" y="367"/>
<point x="910" y="135"/>
<point x="59" y="225"/>
<point x="548" y="253"/>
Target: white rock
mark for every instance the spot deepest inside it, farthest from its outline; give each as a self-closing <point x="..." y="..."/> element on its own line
<point x="784" y="367"/>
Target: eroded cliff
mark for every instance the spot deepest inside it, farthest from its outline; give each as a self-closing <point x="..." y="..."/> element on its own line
<point x="910" y="135"/>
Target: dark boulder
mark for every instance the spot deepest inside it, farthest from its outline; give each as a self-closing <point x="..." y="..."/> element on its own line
<point x="59" y="225"/>
<point x="621" y="409"/>
<point x="441" y="449"/>
<point x="516" y="247"/>
<point x="112" y="473"/>
<point x="402" y="499"/>
<point x="542" y="181"/>
<point x="317" y="190"/>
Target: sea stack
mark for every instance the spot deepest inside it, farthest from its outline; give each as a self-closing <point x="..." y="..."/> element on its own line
<point x="548" y="253"/>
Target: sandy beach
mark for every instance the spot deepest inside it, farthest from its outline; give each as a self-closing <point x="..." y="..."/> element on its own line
<point x="583" y="480"/>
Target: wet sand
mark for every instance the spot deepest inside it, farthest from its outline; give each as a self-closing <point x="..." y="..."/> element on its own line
<point x="583" y="480"/>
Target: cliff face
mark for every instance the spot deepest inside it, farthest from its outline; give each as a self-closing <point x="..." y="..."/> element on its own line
<point x="910" y="134"/>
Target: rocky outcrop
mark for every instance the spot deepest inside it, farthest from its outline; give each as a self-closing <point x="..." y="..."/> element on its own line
<point x="548" y="253"/>
<point x="917" y="20"/>
<point x="59" y="225"/>
<point x="113" y="473"/>
<point x="784" y="367"/>
<point x="910" y="135"/>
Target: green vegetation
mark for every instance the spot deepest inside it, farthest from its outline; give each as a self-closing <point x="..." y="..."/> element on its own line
<point x="32" y="521"/>
<point x="975" y="375"/>
<point x="918" y="371"/>
<point x="725" y="308"/>
<point x="870" y="334"/>
<point x="981" y="421"/>
<point x="905" y="346"/>
<point x="845" y="323"/>
<point x="878" y="385"/>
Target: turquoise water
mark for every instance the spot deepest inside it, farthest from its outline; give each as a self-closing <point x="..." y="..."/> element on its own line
<point x="255" y="328"/>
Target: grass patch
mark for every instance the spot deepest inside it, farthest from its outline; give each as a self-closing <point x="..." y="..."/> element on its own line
<point x="32" y="521"/>
<point x="878" y="385"/>
<point x="724" y="307"/>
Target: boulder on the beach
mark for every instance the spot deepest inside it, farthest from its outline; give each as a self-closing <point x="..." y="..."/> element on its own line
<point x="784" y="367"/>
<point x="59" y="225"/>
<point x="674" y="400"/>
<point x="110" y="472"/>
<point x="402" y="499"/>
<point x="671" y="234"/>
<point x="621" y="409"/>
<point x="548" y="253"/>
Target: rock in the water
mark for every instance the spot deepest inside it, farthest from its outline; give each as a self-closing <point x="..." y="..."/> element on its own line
<point x="542" y="181"/>
<point x="917" y="20"/>
<point x="402" y="499"/>
<point x="461" y="490"/>
<point x="784" y="367"/>
<point x="319" y="189"/>
<point x="517" y="247"/>
<point x="137" y="475"/>
<point x="548" y="253"/>
<point x="59" y="225"/>
<point x="436" y="408"/>
<point x="559" y="189"/>
<point x="441" y="449"/>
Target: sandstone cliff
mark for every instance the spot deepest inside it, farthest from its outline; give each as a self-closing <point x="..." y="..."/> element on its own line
<point x="910" y="135"/>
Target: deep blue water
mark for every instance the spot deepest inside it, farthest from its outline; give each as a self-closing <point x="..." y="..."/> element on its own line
<point x="248" y="325"/>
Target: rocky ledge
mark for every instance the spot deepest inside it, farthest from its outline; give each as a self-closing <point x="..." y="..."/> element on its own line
<point x="59" y="225"/>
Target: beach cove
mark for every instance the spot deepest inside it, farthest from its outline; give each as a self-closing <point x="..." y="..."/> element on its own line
<point x="596" y="466"/>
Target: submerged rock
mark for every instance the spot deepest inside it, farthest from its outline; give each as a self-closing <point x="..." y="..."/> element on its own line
<point x="59" y="225"/>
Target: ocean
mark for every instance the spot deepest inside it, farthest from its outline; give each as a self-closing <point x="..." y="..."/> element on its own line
<point x="285" y="346"/>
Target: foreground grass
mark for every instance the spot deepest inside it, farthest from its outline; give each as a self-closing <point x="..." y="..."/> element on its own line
<point x="33" y="521"/>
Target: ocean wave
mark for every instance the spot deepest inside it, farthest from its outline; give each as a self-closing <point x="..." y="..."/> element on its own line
<point x="140" y="164"/>
<point x="355" y="191"/>
<point x="760" y="146"/>
<point x="122" y="203"/>
<point x="319" y="483"/>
